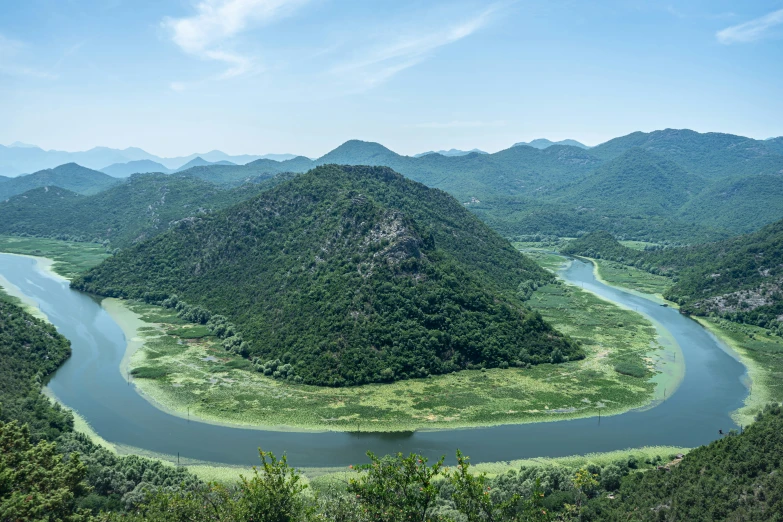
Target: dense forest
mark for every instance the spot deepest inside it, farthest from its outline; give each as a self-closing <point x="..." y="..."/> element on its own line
<point x="138" y="208"/>
<point x="739" y="278"/>
<point x="346" y="275"/>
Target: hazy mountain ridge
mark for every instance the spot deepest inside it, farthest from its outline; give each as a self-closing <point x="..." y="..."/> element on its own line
<point x="451" y="152"/>
<point x="543" y="143"/>
<point x="22" y="159"/>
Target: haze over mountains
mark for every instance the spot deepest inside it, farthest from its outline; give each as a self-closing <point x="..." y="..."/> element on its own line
<point x="20" y="158"/>
<point x="543" y="143"/>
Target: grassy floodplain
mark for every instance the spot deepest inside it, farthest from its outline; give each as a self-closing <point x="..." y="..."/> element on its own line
<point x="181" y="367"/>
<point x="69" y="258"/>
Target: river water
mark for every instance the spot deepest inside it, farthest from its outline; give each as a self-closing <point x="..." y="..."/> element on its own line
<point x="90" y="382"/>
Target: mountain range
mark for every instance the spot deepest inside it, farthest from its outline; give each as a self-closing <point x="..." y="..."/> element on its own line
<point x="20" y="158"/>
<point x="676" y="185"/>
<point x="451" y="152"/>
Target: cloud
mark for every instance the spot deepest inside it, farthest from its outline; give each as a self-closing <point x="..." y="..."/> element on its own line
<point x="217" y="22"/>
<point x="9" y="50"/>
<point x="752" y="30"/>
<point x="459" y="124"/>
<point x="383" y="62"/>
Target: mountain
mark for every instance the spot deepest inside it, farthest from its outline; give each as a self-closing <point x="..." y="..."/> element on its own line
<point x="637" y="181"/>
<point x="357" y="152"/>
<point x="22" y="158"/>
<point x="739" y="206"/>
<point x="19" y="144"/>
<point x="775" y="145"/>
<point x="69" y="176"/>
<point x="451" y="152"/>
<point x="141" y="207"/>
<point x="348" y="275"/>
<point x="4" y="178"/>
<point x="201" y="162"/>
<point x="543" y="143"/>
<point x="123" y="170"/>
<point x="711" y="155"/>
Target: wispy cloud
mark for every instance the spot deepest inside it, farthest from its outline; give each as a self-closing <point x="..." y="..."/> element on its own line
<point x="209" y="32"/>
<point x="459" y="124"/>
<point x="383" y="62"/>
<point x="9" y="61"/>
<point x="752" y="30"/>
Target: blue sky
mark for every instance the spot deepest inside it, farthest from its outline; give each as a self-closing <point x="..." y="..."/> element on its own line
<point x="302" y="76"/>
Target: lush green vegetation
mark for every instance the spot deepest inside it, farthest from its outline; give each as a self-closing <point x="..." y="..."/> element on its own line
<point x="70" y="176"/>
<point x="343" y="276"/>
<point x="186" y="371"/>
<point x="735" y="478"/>
<point x="738" y="278"/>
<point x="70" y="258"/>
<point x="140" y="207"/>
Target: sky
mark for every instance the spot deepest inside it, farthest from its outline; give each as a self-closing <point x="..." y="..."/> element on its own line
<point x="302" y="76"/>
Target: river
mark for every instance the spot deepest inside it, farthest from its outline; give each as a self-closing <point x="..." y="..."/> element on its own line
<point x="90" y="382"/>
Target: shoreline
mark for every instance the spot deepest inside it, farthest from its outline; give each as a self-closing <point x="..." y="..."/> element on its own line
<point x="670" y="381"/>
<point x="130" y="322"/>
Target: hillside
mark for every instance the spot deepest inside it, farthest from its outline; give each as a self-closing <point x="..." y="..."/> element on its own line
<point x="350" y="275"/>
<point x="737" y="205"/>
<point x="739" y="278"/>
<point x="711" y="155"/>
<point x="637" y="181"/>
<point x="141" y="207"/>
<point x="69" y="176"/>
<point x="738" y="477"/>
<point x="123" y="170"/>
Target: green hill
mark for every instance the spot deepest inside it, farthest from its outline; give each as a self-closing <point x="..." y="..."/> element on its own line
<point x="349" y="275"/>
<point x="739" y="278"/>
<point x="738" y="477"/>
<point x="141" y="207"/>
<point x="737" y="205"/>
<point x="637" y="181"/>
<point x="711" y="155"/>
<point x="70" y="176"/>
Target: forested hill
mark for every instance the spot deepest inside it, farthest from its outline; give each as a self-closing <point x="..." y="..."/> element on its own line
<point x="739" y="278"/>
<point x="69" y="176"/>
<point x="138" y="208"/>
<point x="737" y="478"/>
<point x="350" y="275"/>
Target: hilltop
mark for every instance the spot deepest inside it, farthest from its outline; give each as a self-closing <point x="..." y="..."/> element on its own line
<point x="350" y="275"/>
<point x="543" y="143"/>
<point x="69" y="176"/>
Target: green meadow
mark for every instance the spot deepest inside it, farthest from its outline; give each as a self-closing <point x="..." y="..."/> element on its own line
<point x="70" y="258"/>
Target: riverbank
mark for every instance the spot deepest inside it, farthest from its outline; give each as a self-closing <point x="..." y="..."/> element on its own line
<point x="189" y="374"/>
<point x="61" y="258"/>
<point x="760" y="352"/>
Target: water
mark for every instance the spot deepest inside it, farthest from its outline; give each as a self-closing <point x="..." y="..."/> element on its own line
<point x="91" y="383"/>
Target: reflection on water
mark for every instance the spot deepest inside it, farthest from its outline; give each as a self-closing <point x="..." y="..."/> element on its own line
<point x="90" y="382"/>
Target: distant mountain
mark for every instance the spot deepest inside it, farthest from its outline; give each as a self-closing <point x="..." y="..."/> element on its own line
<point x="201" y="162"/>
<point x="451" y="152"/>
<point x="135" y="209"/>
<point x="69" y="176"/>
<point x="543" y="143"/>
<point x="711" y="155"/>
<point x="123" y="170"/>
<point x="21" y="158"/>
<point x="350" y="275"/>
<point x="637" y="181"/>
